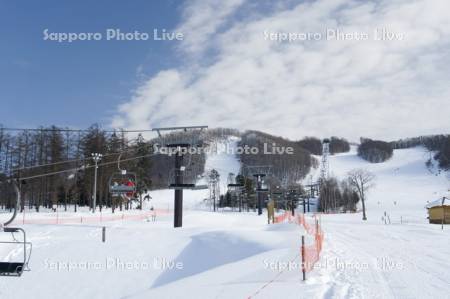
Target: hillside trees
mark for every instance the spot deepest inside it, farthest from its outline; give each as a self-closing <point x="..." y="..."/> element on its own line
<point x="337" y="196"/>
<point x="375" y="151"/>
<point x="443" y="154"/>
<point x="338" y="145"/>
<point x="287" y="168"/>
<point x="311" y="144"/>
<point x="65" y="157"/>
<point x="440" y="144"/>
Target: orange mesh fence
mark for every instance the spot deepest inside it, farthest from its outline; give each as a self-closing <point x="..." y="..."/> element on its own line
<point x="283" y="217"/>
<point x="311" y="251"/>
<point x="60" y="219"/>
<point x="300" y="220"/>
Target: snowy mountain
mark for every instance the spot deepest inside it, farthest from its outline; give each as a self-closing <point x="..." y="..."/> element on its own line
<point x="403" y="184"/>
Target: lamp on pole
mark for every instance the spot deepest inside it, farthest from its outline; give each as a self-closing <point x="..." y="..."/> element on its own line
<point x="96" y="157"/>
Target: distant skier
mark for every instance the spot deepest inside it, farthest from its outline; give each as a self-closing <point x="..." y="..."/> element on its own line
<point x="153" y="214"/>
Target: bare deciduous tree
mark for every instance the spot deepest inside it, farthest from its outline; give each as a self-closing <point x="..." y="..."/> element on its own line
<point x="361" y="181"/>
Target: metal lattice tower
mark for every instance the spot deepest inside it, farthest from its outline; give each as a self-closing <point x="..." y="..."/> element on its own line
<point x="324" y="168"/>
<point x="214" y="188"/>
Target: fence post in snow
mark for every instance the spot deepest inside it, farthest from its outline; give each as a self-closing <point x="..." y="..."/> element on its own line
<point x="303" y="259"/>
<point x="317" y="227"/>
<point x="104" y="234"/>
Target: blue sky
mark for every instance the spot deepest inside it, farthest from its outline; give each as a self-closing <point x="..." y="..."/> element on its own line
<point x="77" y="84"/>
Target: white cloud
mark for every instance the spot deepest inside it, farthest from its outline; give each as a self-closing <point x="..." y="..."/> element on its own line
<point x="202" y="19"/>
<point x="382" y="89"/>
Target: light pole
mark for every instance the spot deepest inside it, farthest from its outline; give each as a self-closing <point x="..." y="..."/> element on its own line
<point x="96" y="157"/>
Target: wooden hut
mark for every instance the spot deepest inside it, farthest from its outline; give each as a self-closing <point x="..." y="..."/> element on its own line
<point x="439" y="211"/>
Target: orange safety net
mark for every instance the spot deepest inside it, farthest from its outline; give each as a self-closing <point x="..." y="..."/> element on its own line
<point x="311" y="252"/>
<point x="283" y="217"/>
<point x="58" y="219"/>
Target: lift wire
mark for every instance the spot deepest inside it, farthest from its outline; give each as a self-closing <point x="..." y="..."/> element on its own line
<point x="84" y="167"/>
<point x="74" y="130"/>
<point x="76" y="160"/>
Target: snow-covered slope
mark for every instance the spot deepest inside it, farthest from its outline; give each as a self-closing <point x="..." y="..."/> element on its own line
<point x="403" y="184"/>
<point x="404" y="259"/>
<point x="222" y="158"/>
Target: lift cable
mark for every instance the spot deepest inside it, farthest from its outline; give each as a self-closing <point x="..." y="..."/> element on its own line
<point x="73" y="130"/>
<point x="75" y="160"/>
<point x="84" y="167"/>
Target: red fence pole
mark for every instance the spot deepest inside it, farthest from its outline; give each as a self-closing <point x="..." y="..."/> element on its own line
<point x="303" y="258"/>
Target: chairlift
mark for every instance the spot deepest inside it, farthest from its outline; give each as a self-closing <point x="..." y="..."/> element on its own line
<point x="261" y="185"/>
<point x="235" y="185"/>
<point x="189" y="180"/>
<point x="264" y="188"/>
<point x="16" y="268"/>
<point x="123" y="183"/>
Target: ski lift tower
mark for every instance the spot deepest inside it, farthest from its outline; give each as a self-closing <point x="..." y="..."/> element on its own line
<point x="214" y="190"/>
<point x="324" y="169"/>
<point x="259" y="172"/>
<point x="236" y="186"/>
<point x="178" y="141"/>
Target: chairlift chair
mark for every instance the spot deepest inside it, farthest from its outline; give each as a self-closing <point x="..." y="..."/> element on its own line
<point x="235" y="185"/>
<point x="123" y="183"/>
<point x="16" y="268"/>
<point x="189" y="180"/>
<point x="262" y="187"/>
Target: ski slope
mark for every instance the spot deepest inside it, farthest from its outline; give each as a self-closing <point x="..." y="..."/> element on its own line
<point x="237" y="255"/>
<point x="405" y="259"/>
<point x="403" y="184"/>
<point x="222" y="158"/>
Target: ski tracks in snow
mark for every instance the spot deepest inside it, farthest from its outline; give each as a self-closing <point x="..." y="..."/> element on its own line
<point x="378" y="261"/>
